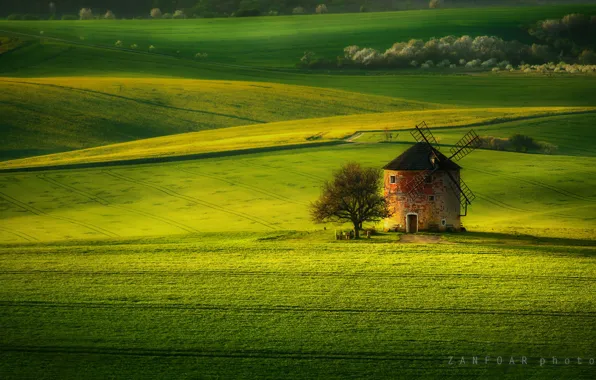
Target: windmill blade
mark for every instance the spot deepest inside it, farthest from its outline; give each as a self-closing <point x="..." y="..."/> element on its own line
<point x="465" y="146"/>
<point x="423" y="134"/>
<point x="416" y="182"/>
<point x="462" y="190"/>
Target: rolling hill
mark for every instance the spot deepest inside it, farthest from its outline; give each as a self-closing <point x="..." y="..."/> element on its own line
<point x="279" y="42"/>
<point x="47" y="115"/>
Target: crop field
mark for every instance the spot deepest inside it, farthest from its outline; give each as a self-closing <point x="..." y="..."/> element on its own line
<point x="321" y="130"/>
<point x="286" y="305"/>
<point x="60" y="114"/>
<point x="271" y="191"/>
<point x="154" y="207"/>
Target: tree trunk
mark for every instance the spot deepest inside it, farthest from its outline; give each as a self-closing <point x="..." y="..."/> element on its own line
<point x="356" y="230"/>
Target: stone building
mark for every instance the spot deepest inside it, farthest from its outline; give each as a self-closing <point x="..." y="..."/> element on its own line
<point x="435" y="205"/>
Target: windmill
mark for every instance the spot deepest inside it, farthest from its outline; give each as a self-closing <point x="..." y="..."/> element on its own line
<point x="468" y="143"/>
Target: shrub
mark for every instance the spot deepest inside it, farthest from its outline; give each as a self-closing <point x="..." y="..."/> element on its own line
<point x="321" y="8"/>
<point x="134" y="46"/>
<point x="495" y="69"/>
<point x="155" y="13"/>
<point x="118" y="43"/>
<point x="298" y="11"/>
<point x="433" y="4"/>
<point x="307" y="57"/>
<point x="248" y="13"/>
<point x="414" y="63"/>
<point x="587" y="57"/>
<point x="86" y="14"/>
<point x="474" y="63"/>
<point x="201" y="55"/>
<point x="30" y="17"/>
<point x="273" y="13"/>
<point x="522" y="143"/>
<point x="151" y="48"/>
<point x="363" y="8"/>
<point x="547" y="148"/>
<point x="494" y="143"/>
<point x="574" y="20"/>
<point x="69" y="17"/>
<point x="489" y="63"/>
<point x="167" y="16"/>
<point x="15" y="17"/>
<point x="444" y="63"/>
<point x="179" y="14"/>
<point x="109" y="15"/>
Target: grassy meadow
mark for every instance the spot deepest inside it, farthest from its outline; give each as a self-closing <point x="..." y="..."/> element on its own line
<point x="280" y="42"/>
<point x="208" y="266"/>
<point x="282" y="305"/>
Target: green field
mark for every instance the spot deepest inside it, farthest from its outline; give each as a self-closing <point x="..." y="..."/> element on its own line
<point x="280" y="42"/>
<point x="208" y="265"/>
<point x="288" y="305"/>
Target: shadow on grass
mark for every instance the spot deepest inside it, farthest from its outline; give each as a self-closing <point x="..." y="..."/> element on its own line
<point x="517" y="238"/>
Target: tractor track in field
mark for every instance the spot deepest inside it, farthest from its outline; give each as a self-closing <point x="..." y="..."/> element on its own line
<point x="175" y="194"/>
<point x="540" y="184"/>
<point x="310" y="275"/>
<point x="310" y="176"/>
<point x="295" y="309"/>
<point x="20" y="234"/>
<point x="39" y="212"/>
<point x="144" y="102"/>
<point x="249" y="187"/>
<point x="502" y="204"/>
<point x="108" y="204"/>
<point x="433" y="361"/>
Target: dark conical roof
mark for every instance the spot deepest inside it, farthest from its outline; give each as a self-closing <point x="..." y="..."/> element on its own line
<point x="417" y="157"/>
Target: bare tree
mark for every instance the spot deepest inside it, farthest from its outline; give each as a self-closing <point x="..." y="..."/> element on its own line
<point x="353" y="195"/>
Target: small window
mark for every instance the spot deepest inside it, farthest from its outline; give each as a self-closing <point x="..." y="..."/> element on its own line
<point x="443" y="222"/>
<point x="392" y="179"/>
<point x="431" y="198"/>
<point x="428" y="179"/>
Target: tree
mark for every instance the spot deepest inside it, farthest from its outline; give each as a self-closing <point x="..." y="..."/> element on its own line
<point x="179" y="14"/>
<point x="353" y="195"/>
<point x="109" y="15"/>
<point x="86" y="14"/>
<point x="321" y="8"/>
<point x="434" y="4"/>
<point x="155" y="13"/>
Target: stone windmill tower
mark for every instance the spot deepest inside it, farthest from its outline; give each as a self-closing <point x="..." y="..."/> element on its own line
<point x="424" y="187"/>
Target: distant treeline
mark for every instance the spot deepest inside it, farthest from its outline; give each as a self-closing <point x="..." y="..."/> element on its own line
<point x="571" y="38"/>
<point x="44" y="9"/>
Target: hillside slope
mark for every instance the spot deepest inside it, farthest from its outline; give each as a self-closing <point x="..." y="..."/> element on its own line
<point x="51" y="115"/>
<point x="281" y="41"/>
<point x="287" y="133"/>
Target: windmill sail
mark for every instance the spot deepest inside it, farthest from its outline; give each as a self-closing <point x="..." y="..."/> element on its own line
<point x="423" y="134"/>
<point x="465" y="146"/>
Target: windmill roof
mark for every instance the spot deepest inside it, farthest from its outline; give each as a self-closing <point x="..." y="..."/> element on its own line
<point x="417" y="157"/>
